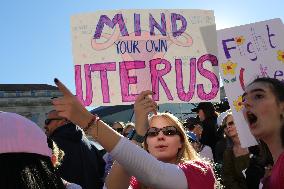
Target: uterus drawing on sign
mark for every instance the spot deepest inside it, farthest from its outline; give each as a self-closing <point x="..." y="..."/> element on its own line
<point x="144" y="47"/>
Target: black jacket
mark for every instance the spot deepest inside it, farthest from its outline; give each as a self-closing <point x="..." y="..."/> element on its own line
<point x="209" y="133"/>
<point x="82" y="163"/>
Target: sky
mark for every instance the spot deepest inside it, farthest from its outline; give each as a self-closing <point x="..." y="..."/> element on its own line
<point x="35" y="36"/>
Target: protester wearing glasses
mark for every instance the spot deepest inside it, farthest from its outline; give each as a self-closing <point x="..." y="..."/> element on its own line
<point x="72" y="140"/>
<point x="118" y="127"/>
<point x="171" y="161"/>
<point x="129" y="127"/>
<point x="264" y="112"/>
<point x="235" y="158"/>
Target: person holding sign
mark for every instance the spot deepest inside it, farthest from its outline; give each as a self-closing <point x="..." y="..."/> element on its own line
<point x="160" y="170"/>
<point x="264" y="111"/>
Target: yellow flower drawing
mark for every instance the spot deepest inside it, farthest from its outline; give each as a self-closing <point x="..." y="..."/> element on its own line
<point x="280" y="56"/>
<point x="240" y="40"/>
<point x="229" y="68"/>
<point x="238" y="103"/>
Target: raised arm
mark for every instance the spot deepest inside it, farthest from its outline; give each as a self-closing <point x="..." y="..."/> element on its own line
<point x="135" y="160"/>
<point x="118" y="178"/>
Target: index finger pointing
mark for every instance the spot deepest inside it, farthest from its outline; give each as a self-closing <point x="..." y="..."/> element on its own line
<point x="62" y="88"/>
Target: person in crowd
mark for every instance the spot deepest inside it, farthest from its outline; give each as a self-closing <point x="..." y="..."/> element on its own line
<point x="260" y="165"/>
<point x="194" y="134"/>
<point x="203" y="150"/>
<point x="129" y="126"/>
<point x="72" y="140"/>
<point x="171" y="161"/>
<point x="221" y="144"/>
<point x="193" y="124"/>
<point x="118" y="127"/>
<point x="25" y="158"/>
<point x="236" y="158"/>
<point x="208" y="117"/>
<point x="56" y="158"/>
<point x="263" y="102"/>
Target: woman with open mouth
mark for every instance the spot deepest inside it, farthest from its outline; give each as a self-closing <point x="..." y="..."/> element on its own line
<point x="264" y="112"/>
<point x="170" y="162"/>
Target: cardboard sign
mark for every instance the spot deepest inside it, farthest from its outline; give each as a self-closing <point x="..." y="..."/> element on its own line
<point x="246" y="53"/>
<point x="118" y="54"/>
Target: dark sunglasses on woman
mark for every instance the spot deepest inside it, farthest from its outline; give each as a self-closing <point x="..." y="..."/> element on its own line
<point x="167" y="131"/>
<point x="47" y="121"/>
<point x="119" y="130"/>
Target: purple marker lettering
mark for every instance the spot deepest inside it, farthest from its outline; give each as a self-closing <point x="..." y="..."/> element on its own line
<point x="249" y="50"/>
<point x="174" y="18"/>
<point x="269" y="37"/>
<point x="154" y="24"/>
<point x="104" y="20"/>
<point x="225" y="47"/>
<point x="137" y="26"/>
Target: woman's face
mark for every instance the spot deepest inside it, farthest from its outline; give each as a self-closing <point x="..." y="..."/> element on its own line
<point x="117" y="127"/>
<point x="262" y="111"/>
<point x="230" y="128"/>
<point x="201" y="115"/>
<point x="164" y="148"/>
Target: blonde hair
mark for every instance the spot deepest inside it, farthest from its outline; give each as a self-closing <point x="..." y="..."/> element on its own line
<point x="187" y="152"/>
<point x="58" y="153"/>
<point x="226" y="117"/>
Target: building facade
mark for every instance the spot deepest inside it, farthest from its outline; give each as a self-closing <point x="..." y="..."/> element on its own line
<point x="30" y="100"/>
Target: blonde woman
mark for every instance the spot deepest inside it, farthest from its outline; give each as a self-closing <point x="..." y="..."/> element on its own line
<point x="171" y="161"/>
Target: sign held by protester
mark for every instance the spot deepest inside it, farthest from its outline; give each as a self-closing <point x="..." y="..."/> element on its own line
<point x="246" y="53"/>
<point x="118" y="54"/>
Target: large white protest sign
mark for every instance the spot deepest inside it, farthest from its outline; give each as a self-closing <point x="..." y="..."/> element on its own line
<point x="118" y="54"/>
<point x="246" y="53"/>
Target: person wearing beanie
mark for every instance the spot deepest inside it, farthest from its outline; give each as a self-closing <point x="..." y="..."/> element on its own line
<point x="25" y="158"/>
<point x="73" y="141"/>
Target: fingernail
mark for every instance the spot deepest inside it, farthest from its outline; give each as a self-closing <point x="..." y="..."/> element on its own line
<point x="56" y="80"/>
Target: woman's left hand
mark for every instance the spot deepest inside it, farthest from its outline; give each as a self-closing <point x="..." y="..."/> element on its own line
<point x="144" y="104"/>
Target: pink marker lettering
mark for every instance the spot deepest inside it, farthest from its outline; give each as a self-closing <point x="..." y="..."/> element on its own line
<point x="78" y="82"/>
<point x="126" y="80"/>
<point x="209" y="75"/>
<point x="157" y="77"/>
<point x="103" y="68"/>
<point x="179" y="80"/>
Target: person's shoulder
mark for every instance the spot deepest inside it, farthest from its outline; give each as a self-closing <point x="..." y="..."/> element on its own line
<point x="200" y="165"/>
<point x="199" y="174"/>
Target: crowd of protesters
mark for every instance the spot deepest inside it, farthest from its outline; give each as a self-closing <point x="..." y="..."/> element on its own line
<point x="157" y="151"/>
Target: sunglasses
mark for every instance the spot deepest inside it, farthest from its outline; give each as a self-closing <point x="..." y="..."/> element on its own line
<point x="119" y="130"/>
<point x="48" y="121"/>
<point x="167" y="131"/>
<point x="231" y="123"/>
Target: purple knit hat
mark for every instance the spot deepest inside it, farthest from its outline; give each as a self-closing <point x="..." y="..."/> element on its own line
<point x="20" y="135"/>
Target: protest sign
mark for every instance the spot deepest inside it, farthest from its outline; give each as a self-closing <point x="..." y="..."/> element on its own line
<point x="246" y="53"/>
<point x="118" y="54"/>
